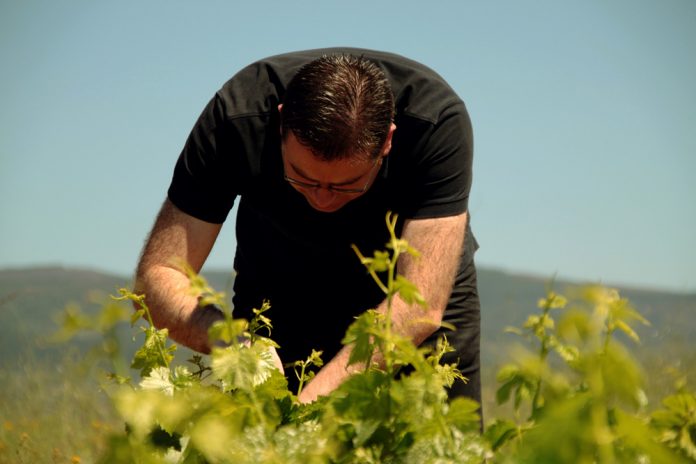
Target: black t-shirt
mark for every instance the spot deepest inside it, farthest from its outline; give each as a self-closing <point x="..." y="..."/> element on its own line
<point x="299" y="258"/>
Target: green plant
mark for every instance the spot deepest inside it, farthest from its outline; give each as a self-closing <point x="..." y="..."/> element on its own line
<point x="238" y="408"/>
<point x="676" y="422"/>
<point x="587" y="403"/>
<point x="578" y="397"/>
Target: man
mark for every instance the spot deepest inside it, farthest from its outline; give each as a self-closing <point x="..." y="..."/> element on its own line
<point x="318" y="145"/>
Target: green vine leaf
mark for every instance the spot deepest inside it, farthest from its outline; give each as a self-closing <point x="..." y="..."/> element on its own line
<point x="158" y="379"/>
<point x="154" y="352"/>
<point x="360" y="335"/>
<point x="408" y="291"/>
<point x="241" y="367"/>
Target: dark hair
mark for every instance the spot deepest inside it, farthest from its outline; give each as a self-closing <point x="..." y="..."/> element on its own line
<point x="339" y="106"/>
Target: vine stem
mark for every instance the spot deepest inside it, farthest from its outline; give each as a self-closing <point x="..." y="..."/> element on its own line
<point x="160" y="345"/>
<point x="388" y="320"/>
<point x="140" y="301"/>
<point x="302" y="378"/>
<point x="391" y="292"/>
<point x="543" y="354"/>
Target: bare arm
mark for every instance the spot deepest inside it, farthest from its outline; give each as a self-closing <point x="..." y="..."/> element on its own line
<point x="440" y="243"/>
<point x="177" y="237"/>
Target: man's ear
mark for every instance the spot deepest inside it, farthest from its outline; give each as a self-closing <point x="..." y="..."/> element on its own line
<point x="388" y="143"/>
<point x="280" y="126"/>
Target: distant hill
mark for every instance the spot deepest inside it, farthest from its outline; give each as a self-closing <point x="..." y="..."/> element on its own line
<point x="507" y="299"/>
<point x="31" y="299"/>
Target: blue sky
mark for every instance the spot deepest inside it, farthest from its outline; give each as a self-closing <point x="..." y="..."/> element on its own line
<point x="584" y="115"/>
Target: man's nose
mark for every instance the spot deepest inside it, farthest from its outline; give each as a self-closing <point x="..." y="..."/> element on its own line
<point x="323" y="196"/>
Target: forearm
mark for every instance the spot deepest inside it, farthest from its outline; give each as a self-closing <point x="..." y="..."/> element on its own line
<point x="440" y="243"/>
<point x="177" y="238"/>
<point x="172" y="305"/>
<point x="409" y="321"/>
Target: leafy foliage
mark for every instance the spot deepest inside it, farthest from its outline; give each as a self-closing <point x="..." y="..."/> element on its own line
<point x="577" y="397"/>
<point x="587" y="404"/>
<point x="676" y="423"/>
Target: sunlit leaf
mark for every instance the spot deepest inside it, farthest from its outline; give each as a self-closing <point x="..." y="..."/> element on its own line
<point x="72" y="321"/>
<point x="315" y="358"/>
<point x="227" y="330"/>
<point x="500" y="431"/>
<point x="532" y="321"/>
<point x="568" y="353"/>
<point x="463" y="413"/>
<point x="158" y="379"/>
<point x="213" y="437"/>
<point x="110" y="315"/>
<point x="408" y="291"/>
<point x="136" y="316"/>
<point x="623" y="327"/>
<point x="512" y="330"/>
<point x="380" y="262"/>
<point x="552" y="301"/>
<point x="360" y="336"/>
<point x="154" y="352"/>
<point x="242" y="367"/>
<point x="364" y="396"/>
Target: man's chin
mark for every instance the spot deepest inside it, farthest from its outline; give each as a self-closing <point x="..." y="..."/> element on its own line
<point x="326" y="210"/>
<point x="330" y="209"/>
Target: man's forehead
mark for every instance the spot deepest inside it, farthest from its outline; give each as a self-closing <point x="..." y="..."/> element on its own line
<point x="294" y="149"/>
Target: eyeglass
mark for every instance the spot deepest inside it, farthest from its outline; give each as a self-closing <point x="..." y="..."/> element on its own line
<point x="332" y="188"/>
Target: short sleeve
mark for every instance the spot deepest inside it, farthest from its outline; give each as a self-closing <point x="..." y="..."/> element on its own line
<point x="203" y="181"/>
<point x="441" y="181"/>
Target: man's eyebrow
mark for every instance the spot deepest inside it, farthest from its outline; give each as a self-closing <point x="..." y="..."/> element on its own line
<point x="337" y="184"/>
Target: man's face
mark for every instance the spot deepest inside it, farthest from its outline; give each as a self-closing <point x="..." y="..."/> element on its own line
<point x="326" y="185"/>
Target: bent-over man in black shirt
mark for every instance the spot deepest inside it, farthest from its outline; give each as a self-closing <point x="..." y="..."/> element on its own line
<point x="318" y="145"/>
